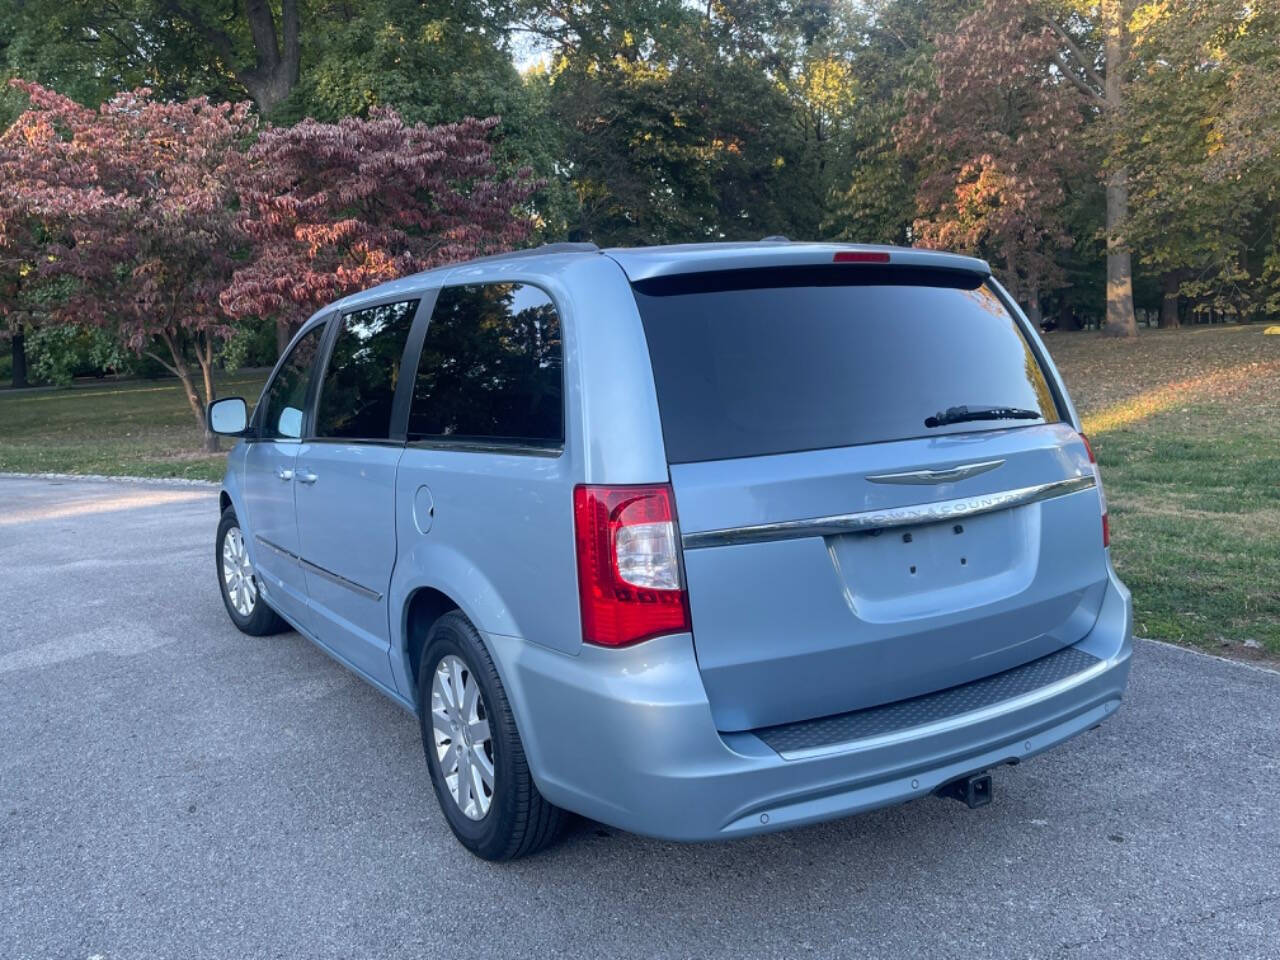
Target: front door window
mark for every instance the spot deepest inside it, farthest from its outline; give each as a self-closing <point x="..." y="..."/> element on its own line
<point x="286" y="397"/>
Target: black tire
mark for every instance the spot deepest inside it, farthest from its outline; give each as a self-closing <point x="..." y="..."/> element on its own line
<point x="519" y="820"/>
<point x="262" y="620"/>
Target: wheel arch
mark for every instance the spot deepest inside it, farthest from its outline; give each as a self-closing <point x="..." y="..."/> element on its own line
<point x="424" y="603"/>
<point x="231" y="495"/>
<point x="422" y="608"/>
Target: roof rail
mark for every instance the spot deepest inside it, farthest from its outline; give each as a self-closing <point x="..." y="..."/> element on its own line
<point x="775" y="238"/>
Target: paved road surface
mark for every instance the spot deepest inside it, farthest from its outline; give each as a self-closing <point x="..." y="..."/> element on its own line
<point x="170" y="788"/>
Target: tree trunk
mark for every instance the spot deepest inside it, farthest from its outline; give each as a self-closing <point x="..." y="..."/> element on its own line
<point x="1034" y="313"/>
<point x="282" y="336"/>
<point x="204" y="353"/>
<point x="193" y="399"/>
<point x="1120" y="319"/>
<point x="19" y="347"/>
<point x="276" y="65"/>
<point x="1169" y="317"/>
<point x="180" y="370"/>
<point x="277" y="69"/>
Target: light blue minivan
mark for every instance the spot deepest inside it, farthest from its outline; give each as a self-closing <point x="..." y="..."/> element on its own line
<point x="697" y="541"/>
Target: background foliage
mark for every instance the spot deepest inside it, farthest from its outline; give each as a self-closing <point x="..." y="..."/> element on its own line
<point x="1013" y="129"/>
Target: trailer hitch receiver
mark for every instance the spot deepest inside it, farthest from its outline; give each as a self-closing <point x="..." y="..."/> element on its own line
<point x="973" y="791"/>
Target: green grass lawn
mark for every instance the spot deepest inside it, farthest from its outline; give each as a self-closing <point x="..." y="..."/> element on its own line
<point x="135" y="428"/>
<point x="1186" y="425"/>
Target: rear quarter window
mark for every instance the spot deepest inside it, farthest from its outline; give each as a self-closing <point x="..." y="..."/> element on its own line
<point x="491" y="369"/>
<point x="750" y="363"/>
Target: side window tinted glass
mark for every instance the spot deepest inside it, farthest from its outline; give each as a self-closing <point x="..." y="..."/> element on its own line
<point x="491" y="367"/>
<point x="287" y="395"/>
<point x="360" y="381"/>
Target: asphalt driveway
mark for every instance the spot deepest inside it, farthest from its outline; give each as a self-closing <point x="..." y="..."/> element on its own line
<point x="171" y="788"/>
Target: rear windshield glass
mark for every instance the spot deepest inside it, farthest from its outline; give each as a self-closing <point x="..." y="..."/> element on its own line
<point x="749" y="363"/>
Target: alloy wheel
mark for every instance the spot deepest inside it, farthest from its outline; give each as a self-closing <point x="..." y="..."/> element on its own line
<point x="464" y="744"/>
<point x="237" y="574"/>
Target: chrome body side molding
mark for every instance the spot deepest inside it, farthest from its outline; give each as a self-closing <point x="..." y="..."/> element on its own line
<point x="320" y="571"/>
<point x="276" y="548"/>
<point x="340" y="580"/>
<point x="871" y="520"/>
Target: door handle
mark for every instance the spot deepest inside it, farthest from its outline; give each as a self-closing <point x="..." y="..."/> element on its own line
<point x="306" y="476"/>
<point x="284" y="474"/>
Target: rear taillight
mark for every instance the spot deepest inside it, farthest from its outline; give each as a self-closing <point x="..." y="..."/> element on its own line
<point x="628" y="564"/>
<point x="1102" y="497"/>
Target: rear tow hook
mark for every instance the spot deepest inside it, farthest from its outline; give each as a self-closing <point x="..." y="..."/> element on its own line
<point x="973" y="791"/>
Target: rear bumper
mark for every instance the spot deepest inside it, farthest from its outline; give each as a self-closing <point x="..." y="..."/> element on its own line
<point x="626" y="737"/>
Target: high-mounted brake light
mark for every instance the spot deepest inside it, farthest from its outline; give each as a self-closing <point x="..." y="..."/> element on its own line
<point x="629" y="579"/>
<point x="860" y="256"/>
<point x="1102" y="497"/>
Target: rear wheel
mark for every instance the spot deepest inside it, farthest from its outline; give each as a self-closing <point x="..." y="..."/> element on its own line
<point x="474" y="753"/>
<point x="239" y="584"/>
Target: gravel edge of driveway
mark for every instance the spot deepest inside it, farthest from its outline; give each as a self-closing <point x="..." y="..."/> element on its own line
<point x="104" y="478"/>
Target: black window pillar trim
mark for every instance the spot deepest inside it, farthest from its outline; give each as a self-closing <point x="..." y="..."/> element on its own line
<point x="403" y="400"/>
<point x="332" y="324"/>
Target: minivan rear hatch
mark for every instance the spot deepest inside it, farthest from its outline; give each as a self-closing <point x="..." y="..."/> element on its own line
<point x="877" y="488"/>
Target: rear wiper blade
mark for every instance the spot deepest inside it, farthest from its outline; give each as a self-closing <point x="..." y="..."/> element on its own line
<point x="966" y="414"/>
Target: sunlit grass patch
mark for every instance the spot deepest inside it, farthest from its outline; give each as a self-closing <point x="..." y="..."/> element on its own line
<point x="1220" y="383"/>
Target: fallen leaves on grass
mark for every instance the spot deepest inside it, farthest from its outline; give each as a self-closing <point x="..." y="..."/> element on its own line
<point x="1103" y="372"/>
<point x="1228" y="384"/>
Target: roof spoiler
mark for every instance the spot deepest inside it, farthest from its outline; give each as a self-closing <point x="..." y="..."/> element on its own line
<point x="641" y="263"/>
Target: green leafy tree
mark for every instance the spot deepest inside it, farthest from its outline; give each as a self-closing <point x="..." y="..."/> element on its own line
<point x="891" y="48"/>
<point x="60" y="352"/>
<point x="1093" y="52"/>
<point x="177" y="48"/>
<point x="432" y="62"/>
<point x="1201" y="138"/>
<point x="728" y="121"/>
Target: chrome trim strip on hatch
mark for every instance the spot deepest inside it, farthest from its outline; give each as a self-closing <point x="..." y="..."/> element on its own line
<point x="949" y="724"/>
<point x="869" y="520"/>
<point x="949" y="475"/>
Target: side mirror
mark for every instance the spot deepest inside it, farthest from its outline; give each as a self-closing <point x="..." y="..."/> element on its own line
<point x="228" y="416"/>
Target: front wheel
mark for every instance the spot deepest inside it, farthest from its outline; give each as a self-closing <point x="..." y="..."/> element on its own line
<point x="474" y="753"/>
<point x="239" y="584"/>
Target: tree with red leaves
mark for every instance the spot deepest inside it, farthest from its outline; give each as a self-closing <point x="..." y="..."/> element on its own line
<point x="135" y="207"/>
<point x="1014" y="82"/>
<point x="999" y="140"/>
<point x="335" y="208"/>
